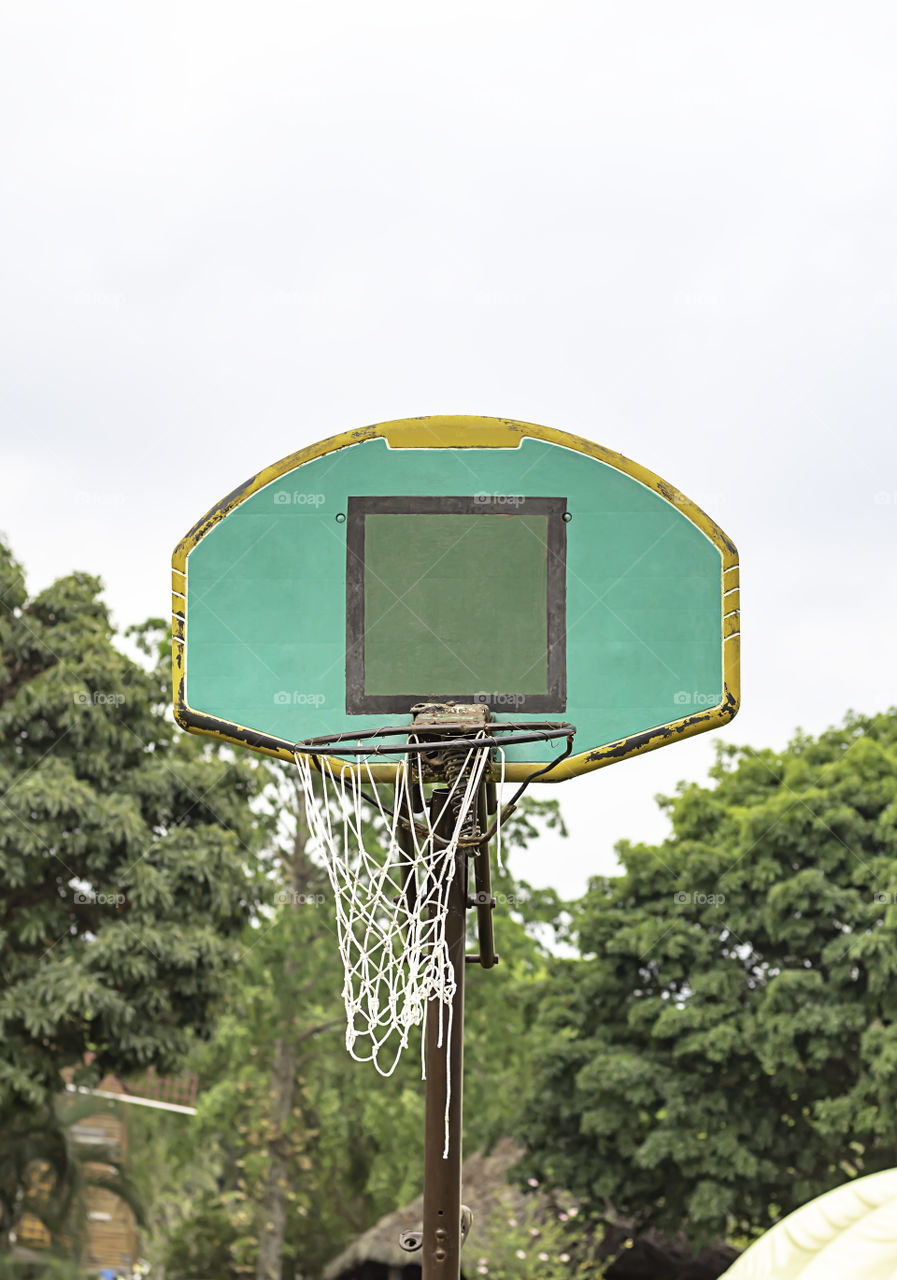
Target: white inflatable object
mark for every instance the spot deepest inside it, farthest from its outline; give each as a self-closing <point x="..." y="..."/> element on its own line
<point x="847" y="1234"/>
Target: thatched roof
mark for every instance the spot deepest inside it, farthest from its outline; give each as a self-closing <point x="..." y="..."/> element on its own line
<point x="484" y="1179"/>
<point x="486" y="1190"/>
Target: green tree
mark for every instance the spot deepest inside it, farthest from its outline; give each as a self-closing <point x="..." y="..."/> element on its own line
<point x="726" y="1047"/>
<point x="539" y="1241"/>
<point x="280" y="1118"/>
<point x="177" y="1178"/>
<point x="203" y="1245"/>
<point x="123" y="851"/>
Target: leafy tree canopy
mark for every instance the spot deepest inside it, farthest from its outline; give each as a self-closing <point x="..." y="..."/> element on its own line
<point x="726" y="1048"/>
<point x="122" y="850"/>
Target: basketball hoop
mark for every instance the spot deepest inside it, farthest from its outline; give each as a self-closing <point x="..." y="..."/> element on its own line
<point x="348" y="582"/>
<point x="392" y="879"/>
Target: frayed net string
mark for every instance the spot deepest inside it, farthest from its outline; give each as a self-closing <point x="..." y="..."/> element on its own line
<point x="395" y="960"/>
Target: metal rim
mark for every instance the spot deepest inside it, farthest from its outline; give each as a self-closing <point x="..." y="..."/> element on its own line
<point x="439" y="736"/>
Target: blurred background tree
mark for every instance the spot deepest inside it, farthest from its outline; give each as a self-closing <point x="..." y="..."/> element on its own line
<point x="127" y="851"/>
<point x="725" y="1048"/>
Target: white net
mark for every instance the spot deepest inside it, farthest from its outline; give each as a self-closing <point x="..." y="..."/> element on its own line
<point x="391" y="893"/>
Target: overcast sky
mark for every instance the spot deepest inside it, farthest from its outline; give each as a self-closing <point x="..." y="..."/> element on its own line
<point x="229" y="230"/>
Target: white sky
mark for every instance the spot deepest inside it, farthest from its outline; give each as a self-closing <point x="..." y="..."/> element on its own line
<point x="229" y="230"/>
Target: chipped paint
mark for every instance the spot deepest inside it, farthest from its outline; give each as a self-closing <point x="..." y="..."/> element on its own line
<point x="640" y="743"/>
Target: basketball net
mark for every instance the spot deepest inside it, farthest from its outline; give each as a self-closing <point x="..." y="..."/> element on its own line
<point x="392" y="941"/>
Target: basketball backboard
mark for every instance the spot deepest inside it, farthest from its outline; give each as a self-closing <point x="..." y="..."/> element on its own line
<point x="457" y="559"/>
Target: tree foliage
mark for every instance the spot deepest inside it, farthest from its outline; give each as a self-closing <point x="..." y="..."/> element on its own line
<point x="539" y="1241"/>
<point x="123" y="845"/>
<point x="726" y="1048"/>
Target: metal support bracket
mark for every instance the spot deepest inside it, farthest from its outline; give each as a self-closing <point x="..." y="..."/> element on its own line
<point x="413" y="1240"/>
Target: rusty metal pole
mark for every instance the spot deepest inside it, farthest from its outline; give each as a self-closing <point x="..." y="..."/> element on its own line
<point x="441" y="1249"/>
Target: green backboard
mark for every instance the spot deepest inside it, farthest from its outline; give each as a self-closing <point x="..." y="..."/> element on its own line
<point x="457" y="559"/>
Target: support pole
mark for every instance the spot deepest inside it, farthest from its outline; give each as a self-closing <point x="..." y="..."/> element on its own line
<point x="441" y="1250"/>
